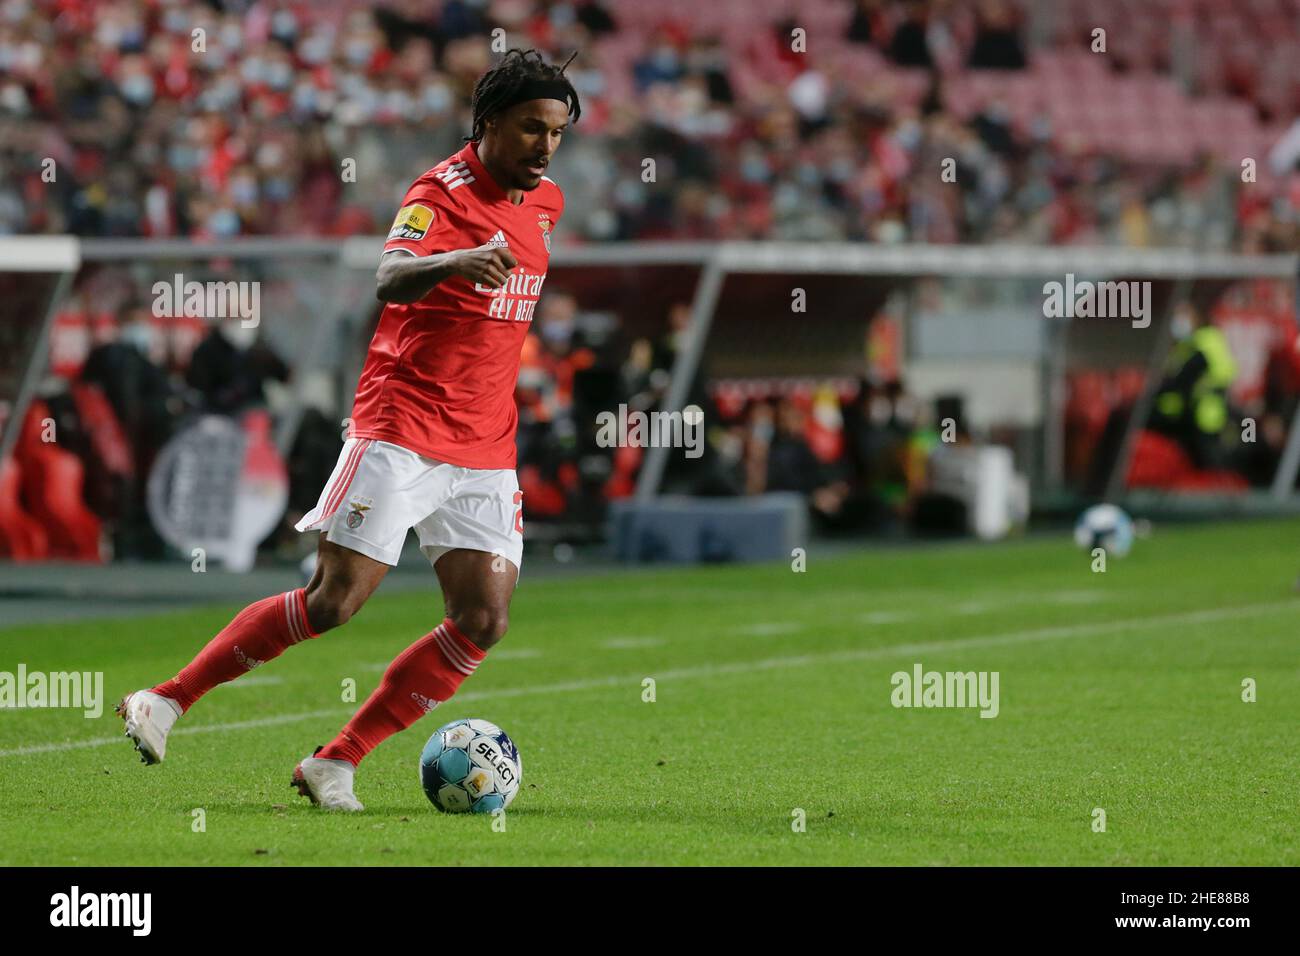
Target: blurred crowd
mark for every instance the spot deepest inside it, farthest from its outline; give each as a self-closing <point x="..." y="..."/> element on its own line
<point x="861" y="450"/>
<point x="222" y="118"/>
<point x="216" y="119"/>
<point x="856" y="449"/>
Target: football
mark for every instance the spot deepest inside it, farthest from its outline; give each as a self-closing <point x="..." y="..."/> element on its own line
<point x="470" y="766"/>
<point x="1106" y="527"/>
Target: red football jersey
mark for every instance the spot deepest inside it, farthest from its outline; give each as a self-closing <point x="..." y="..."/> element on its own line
<point x="440" y="374"/>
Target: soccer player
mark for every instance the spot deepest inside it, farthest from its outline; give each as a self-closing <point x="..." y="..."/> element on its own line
<point x="432" y="446"/>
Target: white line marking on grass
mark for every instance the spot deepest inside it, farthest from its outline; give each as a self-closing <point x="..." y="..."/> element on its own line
<point x="1078" y="597"/>
<point x="769" y="628"/>
<point x="633" y="682"/>
<point x="994" y="603"/>
<point x="631" y="643"/>
<point x="884" y="617"/>
<point x="179" y="731"/>
<point x="504" y="654"/>
<point x="253" y="680"/>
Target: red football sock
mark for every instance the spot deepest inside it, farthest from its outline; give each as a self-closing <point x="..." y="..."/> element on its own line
<point x="258" y="633"/>
<point x="419" y="679"/>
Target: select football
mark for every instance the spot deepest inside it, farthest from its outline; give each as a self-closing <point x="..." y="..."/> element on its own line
<point x="1107" y="527"/>
<point x="470" y="766"/>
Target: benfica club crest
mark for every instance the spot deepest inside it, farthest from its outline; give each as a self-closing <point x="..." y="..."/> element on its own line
<point x="545" y="224"/>
<point x="357" y="513"/>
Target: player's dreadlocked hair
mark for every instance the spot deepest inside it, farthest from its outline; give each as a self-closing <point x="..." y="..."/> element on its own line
<point x="499" y="85"/>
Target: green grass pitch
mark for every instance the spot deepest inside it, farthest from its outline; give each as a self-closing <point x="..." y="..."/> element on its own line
<point x="1120" y="691"/>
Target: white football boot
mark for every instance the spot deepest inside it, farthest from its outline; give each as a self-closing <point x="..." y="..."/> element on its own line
<point x="327" y="783"/>
<point x="149" y="718"/>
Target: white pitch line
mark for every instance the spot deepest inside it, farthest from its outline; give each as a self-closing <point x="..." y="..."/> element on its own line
<point x="255" y="680"/>
<point x="515" y="653"/>
<point x="769" y="628"/>
<point x="201" y="729"/>
<point x="631" y="643"/>
<point x="1078" y="597"/>
<point x="503" y="654"/>
<point x="883" y="617"/>
<point x="740" y="667"/>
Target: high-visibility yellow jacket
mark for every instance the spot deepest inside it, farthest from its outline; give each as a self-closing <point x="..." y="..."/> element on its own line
<point x="1201" y="368"/>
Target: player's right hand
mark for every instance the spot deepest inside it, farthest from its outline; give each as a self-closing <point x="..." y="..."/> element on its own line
<point x="487" y="264"/>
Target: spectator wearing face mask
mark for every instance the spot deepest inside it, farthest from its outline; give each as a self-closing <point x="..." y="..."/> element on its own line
<point x="135" y="386"/>
<point x="1191" y="405"/>
<point x="663" y="63"/>
<point x="142" y="398"/>
<point x="230" y="368"/>
<point x="564" y="351"/>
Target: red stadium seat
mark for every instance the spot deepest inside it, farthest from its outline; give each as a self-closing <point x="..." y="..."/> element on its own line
<point x="622" y="481"/>
<point x="542" y="498"/>
<point x="1160" y="462"/>
<point x="21" y="536"/>
<point x="51" y="488"/>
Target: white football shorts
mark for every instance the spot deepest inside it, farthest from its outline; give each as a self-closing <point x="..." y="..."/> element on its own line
<point x="380" y="490"/>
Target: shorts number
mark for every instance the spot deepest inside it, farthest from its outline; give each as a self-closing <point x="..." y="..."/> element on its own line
<point x="519" y="514"/>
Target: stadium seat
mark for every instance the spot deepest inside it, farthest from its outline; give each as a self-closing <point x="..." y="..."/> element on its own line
<point x="51" y="487"/>
<point x="21" y="536"/>
<point x="1160" y="462"/>
<point x="542" y="498"/>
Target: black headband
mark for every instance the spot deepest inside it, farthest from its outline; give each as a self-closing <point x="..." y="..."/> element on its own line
<point x="534" y="89"/>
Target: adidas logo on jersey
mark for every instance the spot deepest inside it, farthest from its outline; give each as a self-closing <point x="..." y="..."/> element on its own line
<point x="498" y="240"/>
<point x="456" y="174"/>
